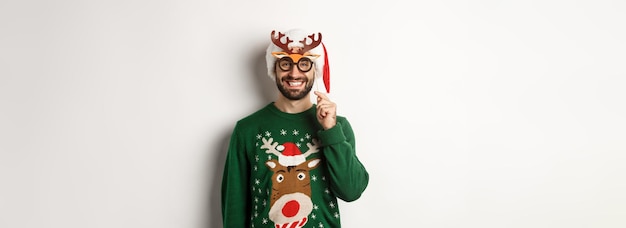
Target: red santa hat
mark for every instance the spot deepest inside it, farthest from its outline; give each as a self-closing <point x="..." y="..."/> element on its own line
<point x="292" y="42"/>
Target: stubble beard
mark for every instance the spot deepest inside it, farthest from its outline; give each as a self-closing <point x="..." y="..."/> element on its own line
<point x="294" y="94"/>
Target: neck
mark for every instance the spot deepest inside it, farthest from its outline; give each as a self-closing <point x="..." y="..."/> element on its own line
<point x="293" y="106"/>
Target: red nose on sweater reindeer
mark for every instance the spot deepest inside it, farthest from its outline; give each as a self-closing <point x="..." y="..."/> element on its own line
<point x="290" y="202"/>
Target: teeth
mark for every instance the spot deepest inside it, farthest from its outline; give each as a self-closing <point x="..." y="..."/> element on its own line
<point x="295" y="83"/>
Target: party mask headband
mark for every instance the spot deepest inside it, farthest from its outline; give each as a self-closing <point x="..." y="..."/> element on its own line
<point x="297" y="53"/>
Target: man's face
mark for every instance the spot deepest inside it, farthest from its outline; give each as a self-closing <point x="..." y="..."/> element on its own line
<point x="292" y="82"/>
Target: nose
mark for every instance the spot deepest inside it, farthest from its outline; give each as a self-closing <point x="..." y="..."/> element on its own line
<point x="296" y="72"/>
<point x="291" y="208"/>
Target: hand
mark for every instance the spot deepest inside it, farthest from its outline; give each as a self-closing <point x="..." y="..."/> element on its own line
<point x="326" y="111"/>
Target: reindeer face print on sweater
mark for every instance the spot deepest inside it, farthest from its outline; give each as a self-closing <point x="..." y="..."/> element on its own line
<point x="290" y="195"/>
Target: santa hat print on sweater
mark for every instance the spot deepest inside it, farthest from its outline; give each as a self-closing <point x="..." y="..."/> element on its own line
<point x="291" y="155"/>
<point x="297" y="43"/>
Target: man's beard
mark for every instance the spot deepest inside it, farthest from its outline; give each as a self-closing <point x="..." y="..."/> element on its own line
<point x="294" y="95"/>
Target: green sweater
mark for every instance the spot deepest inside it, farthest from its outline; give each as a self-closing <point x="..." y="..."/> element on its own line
<point x="284" y="170"/>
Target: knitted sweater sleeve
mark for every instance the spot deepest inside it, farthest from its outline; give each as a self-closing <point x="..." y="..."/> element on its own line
<point x="235" y="179"/>
<point x="349" y="178"/>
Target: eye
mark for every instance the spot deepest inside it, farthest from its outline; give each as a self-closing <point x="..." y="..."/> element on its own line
<point x="305" y="64"/>
<point x="301" y="176"/>
<point x="285" y="64"/>
<point x="280" y="178"/>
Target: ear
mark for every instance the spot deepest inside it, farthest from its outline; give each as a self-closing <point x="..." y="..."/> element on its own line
<point x="271" y="164"/>
<point x="311" y="56"/>
<point x="280" y="54"/>
<point x="313" y="163"/>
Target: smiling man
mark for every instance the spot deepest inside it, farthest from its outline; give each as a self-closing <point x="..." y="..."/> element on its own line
<point x="288" y="163"/>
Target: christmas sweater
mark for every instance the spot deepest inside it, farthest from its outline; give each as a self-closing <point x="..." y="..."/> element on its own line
<point x="283" y="170"/>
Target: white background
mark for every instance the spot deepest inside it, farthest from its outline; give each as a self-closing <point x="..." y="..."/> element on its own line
<point x="482" y="114"/>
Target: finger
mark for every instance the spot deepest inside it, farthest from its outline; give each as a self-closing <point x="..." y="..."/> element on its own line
<point x="321" y="115"/>
<point x="321" y="111"/>
<point x="326" y="102"/>
<point x="321" y="95"/>
<point x="321" y="103"/>
<point x="324" y="110"/>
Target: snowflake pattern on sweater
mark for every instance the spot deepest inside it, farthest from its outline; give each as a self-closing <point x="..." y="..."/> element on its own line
<point x="286" y="200"/>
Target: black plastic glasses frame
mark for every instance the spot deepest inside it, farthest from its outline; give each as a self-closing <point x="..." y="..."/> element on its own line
<point x="286" y="64"/>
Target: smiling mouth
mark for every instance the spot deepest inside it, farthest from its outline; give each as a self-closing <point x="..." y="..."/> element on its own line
<point x="294" y="83"/>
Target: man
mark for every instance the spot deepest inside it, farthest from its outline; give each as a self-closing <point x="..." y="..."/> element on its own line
<point x="289" y="162"/>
